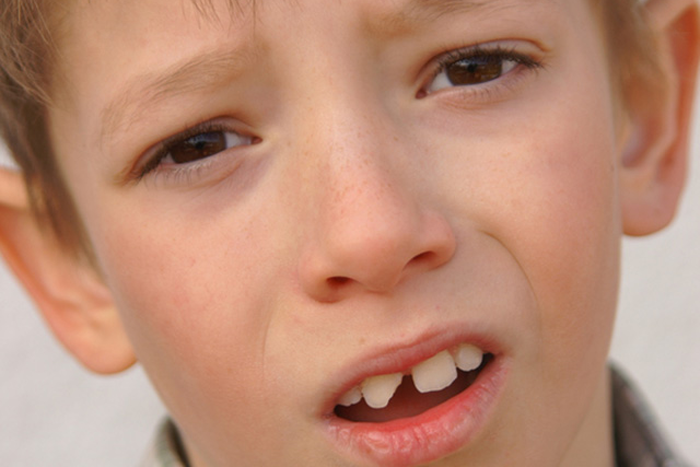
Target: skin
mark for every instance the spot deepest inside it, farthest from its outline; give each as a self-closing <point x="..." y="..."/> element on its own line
<point x="371" y="209"/>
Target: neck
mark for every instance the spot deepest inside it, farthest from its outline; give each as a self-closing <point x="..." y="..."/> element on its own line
<point x="594" y="443"/>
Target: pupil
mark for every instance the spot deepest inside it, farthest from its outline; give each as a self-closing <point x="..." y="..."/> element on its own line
<point x="198" y="147"/>
<point x="474" y="70"/>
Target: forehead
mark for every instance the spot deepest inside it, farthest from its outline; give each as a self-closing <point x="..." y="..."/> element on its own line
<point x="381" y="16"/>
<point x="103" y="20"/>
<point x="119" y="55"/>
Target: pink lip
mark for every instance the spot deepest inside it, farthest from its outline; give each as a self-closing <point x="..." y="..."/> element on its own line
<point x="434" y="433"/>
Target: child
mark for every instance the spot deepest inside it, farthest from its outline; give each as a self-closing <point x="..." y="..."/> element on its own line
<point x="349" y="233"/>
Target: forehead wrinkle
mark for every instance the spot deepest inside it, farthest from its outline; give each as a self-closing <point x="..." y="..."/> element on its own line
<point x="200" y="73"/>
<point x="434" y="9"/>
<point x="403" y="16"/>
<point x="207" y="9"/>
<point x="416" y="12"/>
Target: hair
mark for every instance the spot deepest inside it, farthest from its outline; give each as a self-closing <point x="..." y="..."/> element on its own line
<point x="28" y="53"/>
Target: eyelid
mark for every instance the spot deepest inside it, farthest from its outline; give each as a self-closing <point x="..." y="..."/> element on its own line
<point x="150" y="161"/>
<point x="506" y="50"/>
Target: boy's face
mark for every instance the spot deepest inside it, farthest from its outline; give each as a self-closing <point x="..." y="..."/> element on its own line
<point x="347" y="189"/>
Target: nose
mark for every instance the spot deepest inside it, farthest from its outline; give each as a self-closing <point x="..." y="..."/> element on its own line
<point x="371" y="229"/>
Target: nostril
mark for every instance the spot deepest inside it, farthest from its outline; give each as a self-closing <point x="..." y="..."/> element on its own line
<point x="425" y="257"/>
<point x="337" y="281"/>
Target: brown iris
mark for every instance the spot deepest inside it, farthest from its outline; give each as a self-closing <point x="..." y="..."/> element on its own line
<point x="474" y="70"/>
<point x="197" y="147"/>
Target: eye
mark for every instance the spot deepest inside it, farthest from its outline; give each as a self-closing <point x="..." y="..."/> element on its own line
<point x="192" y="148"/>
<point x="201" y="146"/>
<point x="477" y="65"/>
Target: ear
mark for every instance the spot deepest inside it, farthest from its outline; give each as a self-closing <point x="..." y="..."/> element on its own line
<point x="73" y="300"/>
<point x="655" y="157"/>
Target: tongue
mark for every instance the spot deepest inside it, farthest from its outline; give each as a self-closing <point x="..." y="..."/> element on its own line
<point x="407" y="401"/>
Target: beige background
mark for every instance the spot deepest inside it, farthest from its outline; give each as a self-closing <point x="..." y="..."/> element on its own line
<point x="53" y="413"/>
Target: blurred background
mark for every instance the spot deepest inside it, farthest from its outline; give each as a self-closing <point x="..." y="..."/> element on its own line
<point x="54" y="413"/>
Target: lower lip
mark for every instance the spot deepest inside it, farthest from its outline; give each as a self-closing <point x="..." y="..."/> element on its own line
<point x="429" y="436"/>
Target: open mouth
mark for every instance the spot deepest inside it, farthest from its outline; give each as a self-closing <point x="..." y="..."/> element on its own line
<point x="389" y="397"/>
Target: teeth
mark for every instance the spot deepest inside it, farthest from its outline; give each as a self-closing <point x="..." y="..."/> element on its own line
<point x="378" y="390"/>
<point x="351" y="397"/>
<point x="468" y="357"/>
<point x="436" y="373"/>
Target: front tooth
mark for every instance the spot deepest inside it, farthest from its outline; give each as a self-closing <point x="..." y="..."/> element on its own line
<point x="468" y="357"/>
<point x="351" y="397"/>
<point x="435" y="374"/>
<point x="378" y="390"/>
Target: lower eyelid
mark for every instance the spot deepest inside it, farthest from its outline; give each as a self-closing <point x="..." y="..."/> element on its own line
<point x="206" y="171"/>
<point x="491" y="92"/>
<point x="156" y="161"/>
<point x="520" y="55"/>
<point x="220" y="164"/>
<point x="444" y="84"/>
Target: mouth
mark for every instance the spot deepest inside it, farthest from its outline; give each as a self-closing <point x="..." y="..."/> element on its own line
<point x="422" y="413"/>
<point x="389" y="397"/>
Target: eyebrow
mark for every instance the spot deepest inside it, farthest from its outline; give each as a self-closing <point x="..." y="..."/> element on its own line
<point x="193" y="74"/>
<point x="217" y="68"/>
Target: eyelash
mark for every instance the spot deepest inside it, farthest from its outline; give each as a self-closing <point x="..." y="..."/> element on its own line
<point x="182" y="172"/>
<point x="496" y="52"/>
<point x="154" y="162"/>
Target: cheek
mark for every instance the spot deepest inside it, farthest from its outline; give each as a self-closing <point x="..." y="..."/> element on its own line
<point x="191" y="295"/>
<point x="542" y="181"/>
<point x="569" y="244"/>
<point x="576" y="259"/>
<point x="563" y="228"/>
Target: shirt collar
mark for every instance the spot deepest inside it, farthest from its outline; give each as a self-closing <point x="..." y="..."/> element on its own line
<point x="639" y="441"/>
<point x="166" y="449"/>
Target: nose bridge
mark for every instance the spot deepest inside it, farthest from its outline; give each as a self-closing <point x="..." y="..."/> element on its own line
<point x="358" y="187"/>
<point x="364" y="205"/>
<point x="358" y="171"/>
<point x="365" y="223"/>
<point x="367" y="226"/>
<point x="348" y="142"/>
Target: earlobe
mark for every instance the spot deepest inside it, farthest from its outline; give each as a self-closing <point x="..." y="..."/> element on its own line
<point x="655" y="156"/>
<point x="75" y="303"/>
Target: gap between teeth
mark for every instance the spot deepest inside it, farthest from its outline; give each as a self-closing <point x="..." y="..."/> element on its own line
<point x="434" y="374"/>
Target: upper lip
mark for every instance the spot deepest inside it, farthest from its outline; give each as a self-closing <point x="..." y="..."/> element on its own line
<point x="399" y="357"/>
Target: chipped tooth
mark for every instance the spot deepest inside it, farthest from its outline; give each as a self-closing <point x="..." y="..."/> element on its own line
<point x="468" y="357"/>
<point x="378" y="390"/>
<point x="436" y="373"/>
<point x="352" y="397"/>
